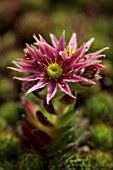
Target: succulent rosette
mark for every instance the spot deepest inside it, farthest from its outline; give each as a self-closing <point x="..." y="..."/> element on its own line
<point x="58" y="65"/>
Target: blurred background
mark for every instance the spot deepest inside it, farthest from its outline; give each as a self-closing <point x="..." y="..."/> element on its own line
<point x="20" y="19"/>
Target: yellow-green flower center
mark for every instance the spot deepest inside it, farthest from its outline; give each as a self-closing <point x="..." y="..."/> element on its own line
<point x="54" y="70"/>
<point x="69" y="51"/>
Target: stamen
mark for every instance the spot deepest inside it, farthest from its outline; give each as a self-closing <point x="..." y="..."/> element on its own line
<point x="54" y="71"/>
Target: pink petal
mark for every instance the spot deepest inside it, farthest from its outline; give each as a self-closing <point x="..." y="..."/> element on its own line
<point x="64" y="55"/>
<point x="99" y="66"/>
<point x="36" y="39"/>
<point x="79" y="53"/>
<point x="30" y="78"/>
<point x="72" y="59"/>
<point x="48" y="50"/>
<point x="73" y="42"/>
<point x="25" y="60"/>
<point x="31" y="51"/>
<point x="61" y="47"/>
<point x="51" y="91"/>
<point x="18" y="64"/>
<point x="73" y="68"/>
<point x="38" y="43"/>
<point x="75" y="78"/>
<point x="98" y="52"/>
<point x="61" y="44"/>
<point x="83" y="49"/>
<point x="40" y="84"/>
<point x="19" y="70"/>
<point x="41" y="38"/>
<point x="65" y="88"/>
<point x="30" y="107"/>
<point x="87" y="45"/>
<point x="25" y="66"/>
<point x="54" y="40"/>
<point x="40" y="57"/>
<point x="91" y="60"/>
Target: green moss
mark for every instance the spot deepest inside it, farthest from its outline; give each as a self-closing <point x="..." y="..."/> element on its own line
<point x="4" y="126"/>
<point x="69" y="163"/>
<point x="10" y="147"/>
<point x="99" y="107"/>
<point x="31" y="161"/>
<point x="102" y="136"/>
<point x="8" y="165"/>
<point x="7" y="89"/>
<point x="9" y="112"/>
<point x="101" y="161"/>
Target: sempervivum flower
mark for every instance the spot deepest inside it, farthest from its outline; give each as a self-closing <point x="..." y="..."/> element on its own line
<point x="58" y="65"/>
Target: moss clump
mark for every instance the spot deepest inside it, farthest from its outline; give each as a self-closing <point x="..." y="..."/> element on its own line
<point x="101" y="161"/>
<point x="99" y="107"/>
<point x="10" y="147"/>
<point x="8" y="166"/>
<point x="4" y="126"/>
<point x="101" y="136"/>
<point x="9" y="112"/>
<point x="31" y="161"/>
<point x="6" y="89"/>
<point x="69" y="163"/>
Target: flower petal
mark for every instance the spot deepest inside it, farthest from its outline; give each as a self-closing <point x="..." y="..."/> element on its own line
<point x="38" y="43"/>
<point x="54" y="40"/>
<point x="64" y="55"/>
<point x="31" y="51"/>
<point x="35" y="37"/>
<point x="51" y="91"/>
<point x="31" y="78"/>
<point x="88" y="44"/>
<point x="30" y="107"/>
<point x="19" y="70"/>
<point x="40" y="84"/>
<point x="79" y="53"/>
<point x="25" y="61"/>
<point x="98" y="52"/>
<point x="72" y="59"/>
<point x="61" y="47"/>
<point x="42" y="39"/>
<point x="73" y="42"/>
<point x="40" y="57"/>
<point x="73" y="68"/>
<point x="25" y="66"/>
<point x="97" y="65"/>
<point x="65" y="88"/>
<point x="75" y="78"/>
<point x="61" y="44"/>
<point x="48" y="50"/>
